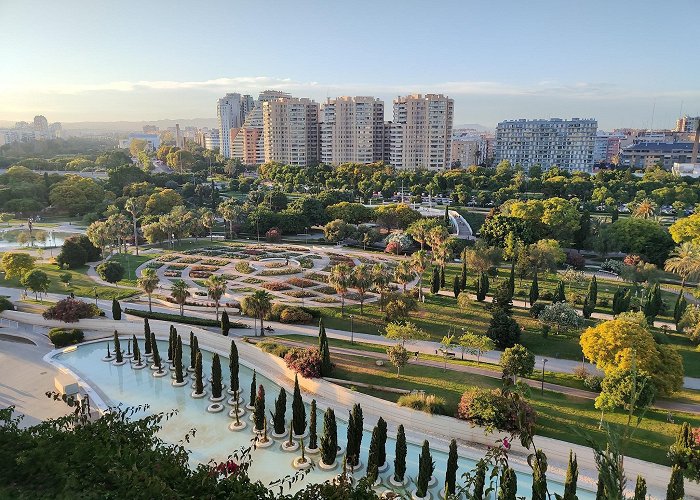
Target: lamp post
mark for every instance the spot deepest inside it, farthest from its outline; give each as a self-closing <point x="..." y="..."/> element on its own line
<point x="544" y="362"/>
<point x="352" y="332"/>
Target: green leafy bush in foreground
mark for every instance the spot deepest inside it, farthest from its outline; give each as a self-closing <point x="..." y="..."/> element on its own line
<point x="430" y="403"/>
<point x="62" y="337"/>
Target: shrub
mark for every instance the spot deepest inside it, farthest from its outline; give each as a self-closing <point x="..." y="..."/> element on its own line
<point x="306" y="362"/>
<point x="243" y="267"/>
<point x="301" y="282"/>
<point x="536" y="309"/>
<point x="110" y="271"/>
<point x="71" y="310"/>
<point x="189" y="320"/>
<point x="575" y="259"/>
<point x="593" y="383"/>
<point x="546" y="295"/>
<point x="603" y="302"/>
<point x="497" y="411"/>
<point x="295" y="315"/>
<point x="613" y="266"/>
<point x="61" y="337"/>
<point x="274" y="348"/>
<point x="432" y="404"/>
<point x="6" y="305"/>
<point x="276" y="286"/>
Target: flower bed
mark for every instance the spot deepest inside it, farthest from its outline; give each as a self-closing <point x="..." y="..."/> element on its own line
<point x="154" y="265"/>
<point x="189" y="260"/>
<point x="215" y="262"/>
<point x="167" y="258"/>
<point x="325" y="300"/>
<point x="326" y="290"/>
<point x="305" y="262"/>
<point x="279" y="272"/>
<point x="275" y="264"/>
<point x="252" y="281"/>
<point x="252" y="251"/>
<point x="322" y="278"/>
<point x="200" y="274"/>
<point x="177" y="267"/>
<point x="301" y="282"/>
<point x="243" y="267"/>
<point x="211" y="269"/>
<point x="298" y="294"/>
<point x="276" y="286"/>
<point x="172" y="274"/>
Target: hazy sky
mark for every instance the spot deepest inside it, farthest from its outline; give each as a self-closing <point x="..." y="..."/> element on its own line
<point x="618" y="61"/>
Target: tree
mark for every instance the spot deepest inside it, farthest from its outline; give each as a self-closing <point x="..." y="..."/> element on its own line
<point x="620" y="344"/>
<point x="340" y="279"/>
<point x="542" y="256"/>
<point x="676" y="490"/>
<point x="503" y="330"/>
<point x="16" y="264"/>
<point x="426" y="467"/>
<point x="198" y="382"/>
<point x="216" y="385"/>
<point x="136" y="350"/>
<point x="534" y="291"/>
<point x="225" y="324"/>
<point x="517" y="361"/>
<point x="482" y="287"/>
<point x="629" y="389"/>
<point x="116" y="310"/>
<point x="135" y="206"/>
<point x="65" y="278"/>
<point x="451" y="469"/>
<point x="652" y="303"/>
<point x="381" y="279"/>
<point x="400" y="455"/>
<point x="259" y="410"/>
<point x="326" y="365"/>
<point x="405" y="332"/>
<point x="456" y="286"/>
<point x="561" y="316"/>
<point x="258" y="304"/>
<point x="119" y="354"/>
<point x="538" y="462"/>
<point x="463" y="278"/>
<point x="435" y="280"/>
<point x="147" y="336"/>
<point x="361" y="280"/>
<point x="509" y="485"/>
<point x="280" y="409"/>
<point x="419" y="262"/>
<point x="329" y="438"/>
<point x="420" y="229"/>
<point x="640" y="489"/>
<point x="571" y="478"/>
<point x="355" y="432"/>
<point x="645" y="209"/>
<point x="253" y="385"/>
<point x="685" y="261"/>
<point x="679" y="308"/>
<point x="398" y="356"/>
<point x="621" y="300"/>
<point x="479" y="480"/>
<point x="644" y="237"/>
<point x="298" y="410"/>
<point x="559" y="293"/>
<point x="475" y="344"/>
<point x="76" y="195"/>
<point x="179" y="367"/>
<point x="180" y="292"/>
<point x="313" y="438"/>
<point x="686" y="229"/>
<point x="37" y="281"/>
<point x="148" y="282"/>
<point x="404" y="273"/>
<point x="216" y="288"/>
<point x="372" y="456"/>
<point x="110" y="271"/>
<point x="447" y="342"/>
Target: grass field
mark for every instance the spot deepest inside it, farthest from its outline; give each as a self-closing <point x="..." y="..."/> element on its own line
<point x="130" y="262"/>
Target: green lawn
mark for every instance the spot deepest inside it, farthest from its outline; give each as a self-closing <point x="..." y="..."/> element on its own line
<point x="559" y="416"/>
<point x="130" y="262"/>
<point x="81" y="284"/>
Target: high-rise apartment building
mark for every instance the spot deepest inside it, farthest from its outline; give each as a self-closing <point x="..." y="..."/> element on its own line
<point x="607" y="146"/>
<point x="568" y="144"/>
<point x="290" y="131"/>
<point x="231" y="111"/>
<point x="471" y="147"/>
<point x="421" y="132"/>
<point x="352" y="130"/>
<point x="687" y="124"/>
<point x="247" y="144"/>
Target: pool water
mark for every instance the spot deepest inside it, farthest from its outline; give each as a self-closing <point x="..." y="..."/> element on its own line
<point x="213" y="440"/>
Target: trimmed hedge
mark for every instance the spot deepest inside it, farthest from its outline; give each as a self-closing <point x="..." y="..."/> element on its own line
<point x="176" y="318"/>
<point x="61" y="337"/>
<point x="6" y="305"/>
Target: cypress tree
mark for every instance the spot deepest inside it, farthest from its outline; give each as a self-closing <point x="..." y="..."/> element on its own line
<point x="482" y="287"/>
<point x="156" y="352"/>
<point x="446" y="217"/>
<point x="313" y="438"/>
<point x="193" y="349"/>
<point x="685" y="437"/>
<point x="539" y="475"/>
<point x="400" y="455"/>
<point x="479" y="480"/>
<point x="614" y="215"/>
<point x="198" y="383"/>
<point x="116" y="310"/>
<point x="435" y="280"/>
<point x="225" y="323"/>
<point x="600" y="492"/>
<point x="627" y="300"/>
<point x="215" y="376"/>
<point x="679" y="308"/>
<point x="280" y="410"/>
<point x="451" y="470"/>
<point x="137" y="351"/>
<point x="640" y="489"/>
<point x="463" y="280"/>
<point x="259" y="411"/>
<point x="571" y="478"/>
<point x="618" y="298"/>
<point x="179" y="377"/>
<point x="511" y="278"/>
<point x="652" y="303"/>
<point x="534" y="291"/>
<point x="456" y="286"/>
<point x="326" y="365"/>
<point x="171" y="345"/>
<point x="559" y="293"/>
<point x="118" y="348"/>
<point x="252" y="390"/>
<point x="676" y="489"/>
<point x="147" y="348"/>
<point x="593" y="291"/>
<point x="357" y="427"/>
<point x="298" y="409"/>
<point x="329" y="439"/>
<point x="509" y="485"/>
<point x="587" y="308"/>
<point x="234" y="382"/>
<point x="350" y="445"/>
<point x="426" y="467"/>
<point x="381" y="450"/>
<point x="442" y="276"/>
<point x="372" y="457"/>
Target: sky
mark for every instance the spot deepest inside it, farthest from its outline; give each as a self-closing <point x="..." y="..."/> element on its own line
<point x="626" y="63"/>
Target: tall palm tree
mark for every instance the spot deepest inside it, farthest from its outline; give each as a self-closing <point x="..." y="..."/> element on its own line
<point x="381" y="279"/>
<point x="685" y="262"/>
<point x="148" y="281"/>
<point x="259" y="304"/>
<point x="180" y="293"/>
<point x="230" y="211"/>
<point x="419" y="261"/>
<point x="216" y="287"/>
<point x="206" y="218"/>
<point x="645" y="209"/>
<point x="404" y="273"/>
<point x="339" y="278"/>
<point x="135" y="206"/>
<point x="361" y="280"/>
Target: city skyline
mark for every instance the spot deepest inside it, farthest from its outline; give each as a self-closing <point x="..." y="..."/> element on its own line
<point x="497" y="62"/>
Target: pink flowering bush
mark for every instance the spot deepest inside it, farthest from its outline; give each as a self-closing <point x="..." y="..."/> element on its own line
<point x="306" y="362"/>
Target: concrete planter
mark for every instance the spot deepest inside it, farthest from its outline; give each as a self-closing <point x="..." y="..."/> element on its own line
<point x="278" y="436"/>
<point x="383" y="468"/>
<point x="427" y="496"/>
<point x="120" y="363"/>
<point x="175" y="383"/>
<point x="313" y="451"/>
<point x="232" y="401"/>
<point x="200" y="395"/>
<point x="356" y="467"/>
<point x="160" y="374"/>
<point x="341" y="450"/>
<point x="398" y="484"/>
<point x="138" y="366"/>
<point x="287" y="447"/>
<point x="301" y="436"/>
<point x="217" y="400"/>
<point x="299" y="465"/>
<point x="215" y="408"/>
<point x="238" y="393"/>
<point x="232" y="412"/>
<point x="326" y="466"/>
<point x="237" y="427"/>
<point x="108" y="359"/>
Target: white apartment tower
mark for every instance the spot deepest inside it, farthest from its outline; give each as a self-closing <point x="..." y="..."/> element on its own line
<point x="231" y="111"/>
<point x="247" y="142"/>
<point x="290" y="131"/>
<point x="352" y="130"/>
<point x="421" y="133"/>
<point x="568" y="144"/>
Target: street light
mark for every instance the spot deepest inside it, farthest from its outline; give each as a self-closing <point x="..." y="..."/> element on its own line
<point x="544" y="362"/>
<point x="352" y="333"/>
